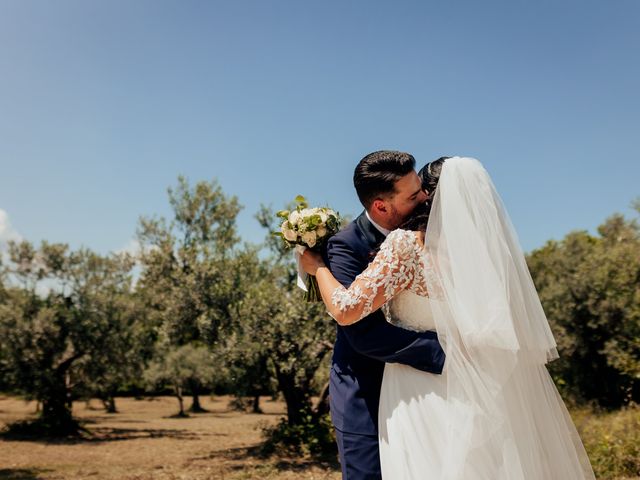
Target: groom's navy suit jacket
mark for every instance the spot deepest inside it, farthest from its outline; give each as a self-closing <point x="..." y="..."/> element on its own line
<point x="362" y="349"/>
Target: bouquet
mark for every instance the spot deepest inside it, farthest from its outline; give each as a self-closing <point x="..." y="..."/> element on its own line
<point x="308" y="228"/>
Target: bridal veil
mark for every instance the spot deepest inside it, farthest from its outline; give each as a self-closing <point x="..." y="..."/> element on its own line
<point x="507" y="419"/>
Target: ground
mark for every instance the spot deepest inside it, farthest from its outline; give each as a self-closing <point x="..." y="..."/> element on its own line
<point x="143" y="442"/>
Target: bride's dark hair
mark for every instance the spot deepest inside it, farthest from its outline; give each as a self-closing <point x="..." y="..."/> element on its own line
<point x="429" y="176"/>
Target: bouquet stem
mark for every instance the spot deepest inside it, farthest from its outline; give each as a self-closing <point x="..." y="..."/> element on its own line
<point x="313" y="290"/>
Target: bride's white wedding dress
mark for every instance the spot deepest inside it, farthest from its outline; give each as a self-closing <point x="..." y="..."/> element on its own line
<point x="494" y="412"/>
<point x="426" y="434"/>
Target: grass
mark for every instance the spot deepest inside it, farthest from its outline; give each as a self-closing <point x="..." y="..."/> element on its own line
<point x="612" y="440"/>
<point x="144" y="441"/>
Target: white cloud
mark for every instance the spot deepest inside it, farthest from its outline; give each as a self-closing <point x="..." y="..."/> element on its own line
<point x="7" y="232"/>
<point x="132" y="248"/>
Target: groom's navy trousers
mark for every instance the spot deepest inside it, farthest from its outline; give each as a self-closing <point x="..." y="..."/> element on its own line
<point x="359" y="355"/>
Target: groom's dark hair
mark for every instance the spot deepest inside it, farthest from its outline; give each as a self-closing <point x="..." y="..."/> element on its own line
<point x="376" y="174"/>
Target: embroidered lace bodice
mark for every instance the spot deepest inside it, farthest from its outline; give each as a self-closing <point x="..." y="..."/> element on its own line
<point x="398" y="275"/>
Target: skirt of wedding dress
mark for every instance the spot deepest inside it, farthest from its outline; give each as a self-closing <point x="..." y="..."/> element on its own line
<point x="426" y="435"/>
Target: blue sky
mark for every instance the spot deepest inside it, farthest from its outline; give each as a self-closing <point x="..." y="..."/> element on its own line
<point x="104" y="103"/>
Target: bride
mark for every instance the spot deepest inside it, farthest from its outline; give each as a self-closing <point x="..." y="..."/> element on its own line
<point x="494" y="413"/>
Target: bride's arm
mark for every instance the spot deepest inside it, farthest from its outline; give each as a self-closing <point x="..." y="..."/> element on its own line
<point x="392" y="271"/>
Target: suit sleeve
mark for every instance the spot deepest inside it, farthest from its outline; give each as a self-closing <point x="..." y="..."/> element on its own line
<point x="373" y="336"/>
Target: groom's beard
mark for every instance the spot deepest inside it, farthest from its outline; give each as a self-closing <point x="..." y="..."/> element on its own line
<point x="396" y="219"/>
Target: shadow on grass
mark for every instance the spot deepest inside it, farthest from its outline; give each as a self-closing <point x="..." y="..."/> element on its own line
<point x="88" y="420"/>
<point x="210" y="414"/>
<point x="21" y="473"/>
<point x="97" y="435"/>
<point x="237" y="458"/>
<point x="109" y="434"/>
<point x="267" y="414"/>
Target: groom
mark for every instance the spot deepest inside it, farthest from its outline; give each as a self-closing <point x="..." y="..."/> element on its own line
<point x="389" y="189"/>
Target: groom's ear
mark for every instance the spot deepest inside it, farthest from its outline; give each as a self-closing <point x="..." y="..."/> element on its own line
<point x="379" y="205"/>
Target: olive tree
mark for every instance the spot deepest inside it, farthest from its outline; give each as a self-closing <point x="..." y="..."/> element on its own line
<point x="590" y="288"/>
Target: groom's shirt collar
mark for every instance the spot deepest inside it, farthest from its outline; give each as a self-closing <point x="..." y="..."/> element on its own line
<point x="383" y="231"/>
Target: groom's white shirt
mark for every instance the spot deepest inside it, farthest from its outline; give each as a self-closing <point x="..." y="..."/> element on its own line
<point x="383" y="231"/>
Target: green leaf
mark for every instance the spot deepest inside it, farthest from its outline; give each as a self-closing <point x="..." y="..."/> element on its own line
<point x="313" y="221"/>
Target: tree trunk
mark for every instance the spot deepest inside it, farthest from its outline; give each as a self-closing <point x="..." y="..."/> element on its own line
<point x="56" y="419"/>
<point x="194" y="386"/>
<point x="256" y="404"/>
<point x="195" y="405"/>
<point x="296" y="398"/>
<point x="181" y="413"/>
<point x="56" y="416"/>
<point x="67" y="388"/>
<point x="322" y="406"/>
<point x="109" y="404"/>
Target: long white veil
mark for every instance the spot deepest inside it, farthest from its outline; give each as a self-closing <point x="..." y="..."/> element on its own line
<point x="496" y="338"/>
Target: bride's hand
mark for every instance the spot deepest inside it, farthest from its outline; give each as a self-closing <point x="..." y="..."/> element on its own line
<point x="311" y="261"/>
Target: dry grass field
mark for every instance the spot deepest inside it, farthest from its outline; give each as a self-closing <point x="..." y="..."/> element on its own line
<point x="143" y="442"/>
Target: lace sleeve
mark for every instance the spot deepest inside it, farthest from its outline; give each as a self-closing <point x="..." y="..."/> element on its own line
<point x="394" y="269"/>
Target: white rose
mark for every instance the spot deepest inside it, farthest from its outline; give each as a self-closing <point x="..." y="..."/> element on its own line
<point x="309" y="238"/>
<point x="321" y="231"/>
<point x="294" y="217"/>
<point x="305" y="212"/>
<point x="323" y="216"/>
<point x="288" y="233"/>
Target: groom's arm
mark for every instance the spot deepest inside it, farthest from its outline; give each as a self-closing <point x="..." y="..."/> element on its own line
<point x="373" y="336"/>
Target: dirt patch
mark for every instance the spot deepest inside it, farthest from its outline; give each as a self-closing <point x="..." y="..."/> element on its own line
<point x="143" y="442"/>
